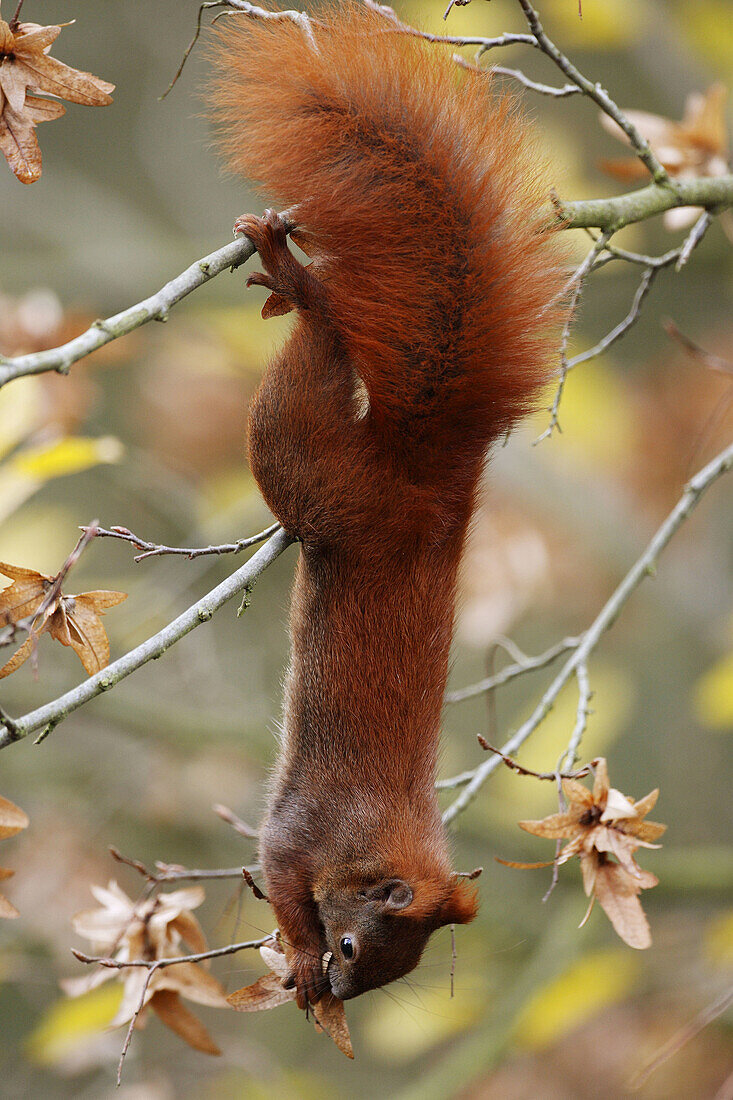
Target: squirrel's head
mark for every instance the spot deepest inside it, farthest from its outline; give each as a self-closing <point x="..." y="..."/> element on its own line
<point x="376" y="933"/>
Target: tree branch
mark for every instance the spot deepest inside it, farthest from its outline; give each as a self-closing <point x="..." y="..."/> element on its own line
<point x="712" y="193"/>
<point x="575" y="666"/>
<point x="161" y="964"/>
<point x="527" y="664"/>
<point x="47" y="717"/>
<point x="154" y="308"/>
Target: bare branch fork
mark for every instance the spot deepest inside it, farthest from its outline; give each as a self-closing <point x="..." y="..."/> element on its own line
<point x="174" y="872"/>
<point x="576" y="665"/>
<point x="156" y="549"/>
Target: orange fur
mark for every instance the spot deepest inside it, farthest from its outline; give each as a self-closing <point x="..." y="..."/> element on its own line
<point x="433" y="287"/>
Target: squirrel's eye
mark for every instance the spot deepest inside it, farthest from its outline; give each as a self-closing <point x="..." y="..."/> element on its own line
<point x="347" y="947"/>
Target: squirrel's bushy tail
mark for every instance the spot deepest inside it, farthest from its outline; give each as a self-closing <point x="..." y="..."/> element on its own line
<point x="420" y="191"/>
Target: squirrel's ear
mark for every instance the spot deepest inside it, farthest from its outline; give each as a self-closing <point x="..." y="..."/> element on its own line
<point x="460" y="906"/>
<point x="394" y="894"/>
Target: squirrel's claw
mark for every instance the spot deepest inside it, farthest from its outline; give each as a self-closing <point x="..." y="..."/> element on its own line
<point x="284" y="274"/>
<point x="306" y="977"/>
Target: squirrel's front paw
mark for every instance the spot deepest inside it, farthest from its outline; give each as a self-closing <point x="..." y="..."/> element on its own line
<point x="307" y="977"/>
<point x="285" y="276"/>
<point x="268" y="234"/>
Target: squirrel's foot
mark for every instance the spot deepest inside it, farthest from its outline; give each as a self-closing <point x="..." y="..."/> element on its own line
<point x="285" y="277"/>
<point x="306" y="976"/>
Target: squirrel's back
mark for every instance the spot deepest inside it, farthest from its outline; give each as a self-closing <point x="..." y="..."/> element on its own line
<point x="420" y="193"/>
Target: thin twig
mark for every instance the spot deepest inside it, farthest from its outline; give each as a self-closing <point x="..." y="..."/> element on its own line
<point x="647" y="278"/>
<point x="234" y="6"/>
<point x="683" y="1036"/>
<point x="153" y="549"/>
<point x="520" y="769"/>
<point x="581" y="721"/>
<point x="156" y="307"/>
<point x="174" y="872"/>
<point x="644" y="566"/>
<point x="236" y="822"/>
<point x="527" y="664"/>
<point x="133" y="1021"/>
<point x="576" y="282"/>
<point x="599" y="96"/>
<point x="161" y="964"/>
<point x="534" y="86"/>
<point x="558" y="846"/>
<point x="694" y="237"/>
<point x="16" y="15"/>
<point x="9" y="723"/>
<point x="54" y="590"/>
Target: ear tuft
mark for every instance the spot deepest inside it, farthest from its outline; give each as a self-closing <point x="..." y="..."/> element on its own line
<point x="394" y="894"/>
<point x="461" y="905"/>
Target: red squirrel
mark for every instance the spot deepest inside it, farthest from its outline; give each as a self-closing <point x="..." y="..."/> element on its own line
<point x="423" y="331"/>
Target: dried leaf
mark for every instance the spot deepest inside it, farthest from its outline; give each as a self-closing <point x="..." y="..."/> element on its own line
<point x="169" y="1008"/>
<point x="190" y="931"/>
<point x="525" y="866"/>
<point x="648" y="830"/>
<point x="644" y="805"/>
<point x="330" y="1015"/>
<point x="618" y="806"/>
<point x="598" y="824"/>
<point x="274" y="957"/>
<point x="18" y="144"/>
<point x="72" y="620"/>
<point x="7" y="910"/>
<point x="617" y="894"/>
<point x="153" y="928"/>
<point x="600" y="782"/>
<point x="554" y="827"/>
<point x="194" y="983"/>
<point x="12" y="818"/>
<point x="25" y="64"/>
<point x="576" y="792"/>
<point x="266" y="992"/>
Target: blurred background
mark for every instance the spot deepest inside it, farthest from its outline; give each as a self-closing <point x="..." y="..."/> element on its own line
<point x="149" y="433"/>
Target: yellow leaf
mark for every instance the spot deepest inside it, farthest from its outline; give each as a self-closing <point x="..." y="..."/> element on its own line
<point x="23" y="474"/>
<point x="594" y="982"/>
<point x="66" y="456"/>
<point x="713" y="698"/>
<point x="174" y="1014"/>
<point x="68" y="1024"/>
